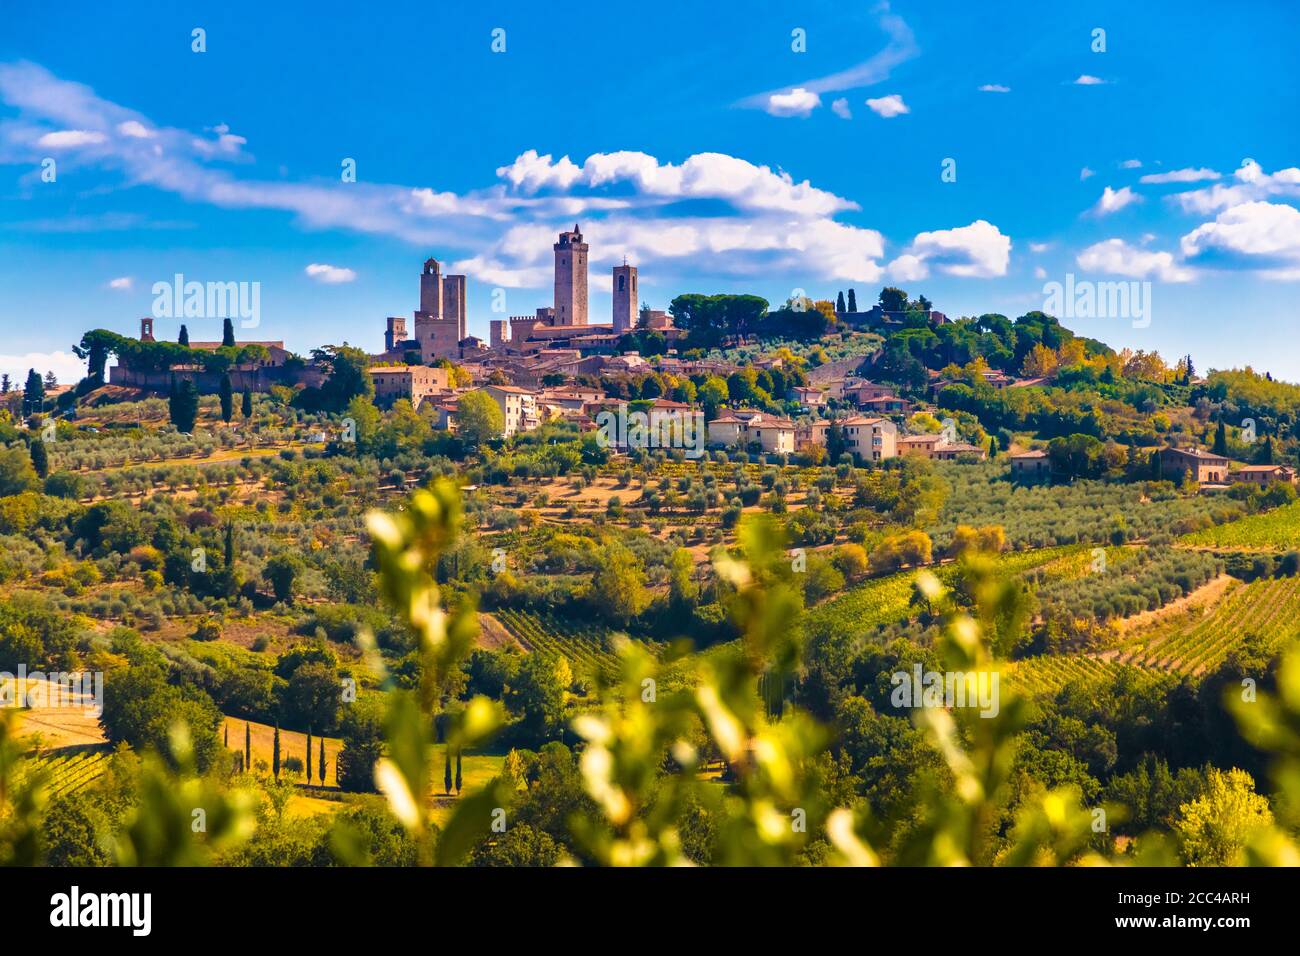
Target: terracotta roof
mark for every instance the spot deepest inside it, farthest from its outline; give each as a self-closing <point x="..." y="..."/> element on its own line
<point x="1035" y="453"/>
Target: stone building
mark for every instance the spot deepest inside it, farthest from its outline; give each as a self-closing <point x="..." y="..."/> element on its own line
<point x="414" y="382"/>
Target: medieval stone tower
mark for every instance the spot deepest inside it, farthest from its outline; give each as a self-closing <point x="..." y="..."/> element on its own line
<point x="395" y="333"/>
<point x="571" y="279"/>
<point x="625" y="300"/>
<point x="440" y="320"/>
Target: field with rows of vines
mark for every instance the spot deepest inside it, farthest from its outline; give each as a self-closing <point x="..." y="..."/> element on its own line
<point x="1276" y="530"/>
<point x="587" y="647"/>
<point x="70" y="769"/>
<point x="1199" y="638"/>
<point x="1050" y="673"/>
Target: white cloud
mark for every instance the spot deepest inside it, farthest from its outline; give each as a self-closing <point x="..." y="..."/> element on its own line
<point x="797" y="102"/>
<point x="702" y="176"/>
<point x="1085" y="173"/>
<point x="1261" y="234"/>
<point x="900" y="48"/>
<point x="888" y="106"/>
<point x="994" y="88"/>
<point x="1252" y="183"/>
<point x="1116" y="257"/>
<point x="329" y="275"/>
<point x="135" y="129"/>
<point x="977" y="251"/>
<point x="1113" y="200"/>
<point x="1038" y="247"/>
<point x="1131" y="164"/>
<point x="1179" y="176"/>
<point x="1040" y="272"/>
<point x="908" y="268"/>
<point x="71" y="138"/>
<point x="841" y="109"/>
<point x="121" y="284"/>
<point x="67" y="368"/>
<point x="1087" y="80"/>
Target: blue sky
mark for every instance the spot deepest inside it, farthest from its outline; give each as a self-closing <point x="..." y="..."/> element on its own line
<point x="693" y="138"/>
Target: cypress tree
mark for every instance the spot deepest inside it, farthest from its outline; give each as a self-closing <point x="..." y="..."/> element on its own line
<point x="33" y="393"/>
<point x="446" y="775"/>
<point x="309" y="756"/>
<point x="275" y="754"/>
<point x="839" y="302"/>
<point x="40" y="458"/>
<point x="227" y="397"/>
<point x="1221" y="439"/>
<point x="184" y="337"/>
<point x="225" y="740"/>
<point x="320" y="762"/>
<point x="457" y="773"/>
<point x="227" y="334"/>
<point x="853" y="301"/>
<point x="183" y="405"/>
<point x="248" y="749"/>
<point x="1266" y="452"/>
<point x="246" y="407"/>
<point x="230" y="544"/>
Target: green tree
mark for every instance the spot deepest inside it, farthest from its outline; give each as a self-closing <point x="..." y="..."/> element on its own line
<point x="33" y="394"/>
<point x="479" y="418"/>
<point x="227" y="395"/>
<point x="1215" y="828"/>
<point x="458" y="777"/>
<point x="40" y="458"/>
<point x="246" y="406"/>
<point x="275" y="752"/>
<point x="618" y="587"/>
<point x="184" y="337"/>
<point x="227" y="334"/>
<point x="320" y="762"/>
<point x="309" y="755"/>
<point x="248" y="748"/>
<point x="446" y="771"/>
<point x="281" y="572"/>
<point x="1221" y="439"/>
<point x="893" y="299"/>
<point x="183" y="406"/>
<point x="853" y="301"/>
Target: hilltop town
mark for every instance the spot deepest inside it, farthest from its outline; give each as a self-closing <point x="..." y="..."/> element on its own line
<point x="557" y="366"/>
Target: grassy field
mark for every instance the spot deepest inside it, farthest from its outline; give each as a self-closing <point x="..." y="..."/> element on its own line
<point x="1276" y="530"/>
<point x="292" y="744"/>
<point x="55" y="725"/>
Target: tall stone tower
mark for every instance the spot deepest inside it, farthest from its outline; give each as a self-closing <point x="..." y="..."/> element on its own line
<point x="440" y="322"/>
<point x="431" y="289"/>
<point x="571" y="279"/>
<point x="453" y="303"/>
<point x="625" y="297"/>
<point x="395" y="332"/>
